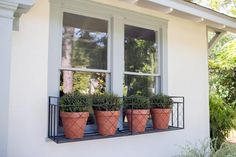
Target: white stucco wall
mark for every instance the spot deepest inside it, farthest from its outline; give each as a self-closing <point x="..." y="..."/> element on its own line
<point x="187" y="76"/>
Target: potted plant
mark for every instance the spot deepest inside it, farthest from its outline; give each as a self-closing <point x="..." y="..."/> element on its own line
<point x="107" y="111"/>
<point x="161" y="107"/>
<point x="74" y="114"/>
<point x="137" y="112"/>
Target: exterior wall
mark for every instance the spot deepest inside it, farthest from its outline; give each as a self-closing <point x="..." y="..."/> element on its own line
<point x="6" y="22"/>
<point x="187" y="76"/>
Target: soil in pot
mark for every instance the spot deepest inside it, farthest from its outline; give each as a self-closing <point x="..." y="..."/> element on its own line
<point x="137" y="119"/>
<point x="160" y="118"/>
<point x="107" y="122"/>
<point x="74" y="123"/>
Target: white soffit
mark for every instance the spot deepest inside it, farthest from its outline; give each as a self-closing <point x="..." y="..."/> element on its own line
<point x="189" y="11"/>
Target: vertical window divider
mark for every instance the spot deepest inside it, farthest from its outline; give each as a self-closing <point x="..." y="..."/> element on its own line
<point x="163" y="58"/>
<point x="159" y="62"/>
<point x="117" y="59"/>
<point x="109" y="56"/>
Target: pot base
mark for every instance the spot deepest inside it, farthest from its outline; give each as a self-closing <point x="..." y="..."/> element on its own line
<point x="107" y="122"/>
<point x="137" y="120"/>
<point x="74" y="123"/>
<point x="160" y="118"/>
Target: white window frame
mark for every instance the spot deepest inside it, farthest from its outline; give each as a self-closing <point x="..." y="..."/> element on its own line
<point x="117" y="18"/>
<point x="92" y="127"/>
<point x="156" y="75"/>
<point x="108" y="70"/>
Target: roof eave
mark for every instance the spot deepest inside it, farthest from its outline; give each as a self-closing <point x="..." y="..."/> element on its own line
<point x="190" y="11"/>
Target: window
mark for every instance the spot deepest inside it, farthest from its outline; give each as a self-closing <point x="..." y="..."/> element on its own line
<point x="141" y="61"/>
<point x="105" y="49"/>
<point x="84" y="63"/>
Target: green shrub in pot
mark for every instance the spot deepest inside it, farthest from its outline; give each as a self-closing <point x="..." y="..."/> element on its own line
<point x="137" y="112"/>
<point x="74" y="114"/>
<point x="161" y="107"/>
<point x="106" y="108"/>
<point x="106" y="102"/>
<point x="74" y="102"/>
<point x="161" y="101"/>
<point x="136" y="102"/>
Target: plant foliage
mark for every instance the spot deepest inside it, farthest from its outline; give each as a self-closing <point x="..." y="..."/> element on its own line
<point x="161" y="101"/>
<point x="74" y="102"/>
<point x="136" y="102"/>
<point x="106" y="102"/>
<point x="207" y="148"/>
<point x="221" y="118"/>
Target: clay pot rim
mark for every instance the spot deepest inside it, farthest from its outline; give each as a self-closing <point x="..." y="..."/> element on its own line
<point x="161" y="109"/>
<point x="105" y="110"/>
<point x="106" y="113"/>
<point x="138" y="111"/>
<point x="74" y="114"/>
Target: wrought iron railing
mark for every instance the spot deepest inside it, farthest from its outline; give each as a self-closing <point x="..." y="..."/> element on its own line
<point x="123" y="128"/>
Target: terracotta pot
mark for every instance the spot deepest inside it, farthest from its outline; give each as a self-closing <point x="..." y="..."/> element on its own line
<point x="107" y="122"/>
<point x="160" y="118"/>
<point x="74" y="123"/>
<point x="137" y="119"/>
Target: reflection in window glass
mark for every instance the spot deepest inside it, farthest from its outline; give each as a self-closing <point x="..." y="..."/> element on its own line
<point x="84" y="42"/>
<point x="140" y="50"/>
<point x="83" y="82"/>
<point x="139" y="85"/>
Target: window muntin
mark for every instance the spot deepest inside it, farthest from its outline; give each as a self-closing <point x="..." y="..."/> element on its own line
<point x="141" y="62"/>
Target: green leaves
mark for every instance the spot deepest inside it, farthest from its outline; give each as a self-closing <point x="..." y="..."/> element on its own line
<point x="74" y="102"/>
<point x="136" y="102"/>
<point x="222" y="68"/>
<point x="161" y="101"/>
<point x="106" y="102"/>
<point x="223" y="6"/>
<point x="207" y="148"/>
<point x="221" y="118"/>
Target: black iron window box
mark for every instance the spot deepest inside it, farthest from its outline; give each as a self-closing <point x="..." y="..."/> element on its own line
<point x="56" y="133"/>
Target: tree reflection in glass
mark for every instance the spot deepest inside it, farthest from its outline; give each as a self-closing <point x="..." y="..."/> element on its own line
<point x="140" y="57"/>
<point x="84" y="47"/>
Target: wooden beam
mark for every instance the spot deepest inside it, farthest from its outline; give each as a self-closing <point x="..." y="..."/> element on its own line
<point x="214" y="40"/>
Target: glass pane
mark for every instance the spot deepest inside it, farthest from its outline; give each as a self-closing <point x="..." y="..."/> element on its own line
<point x="140" y="50"/>
<point x="83" y="82"/>
<point x="84" y="43"/>
<point x="141" y="85"/>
